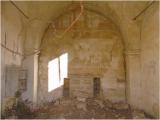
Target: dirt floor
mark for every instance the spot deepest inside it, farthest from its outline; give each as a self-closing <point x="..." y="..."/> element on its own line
<point x="90" y="108"/>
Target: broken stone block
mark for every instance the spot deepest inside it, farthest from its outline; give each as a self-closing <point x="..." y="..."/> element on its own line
<point x="108" y="104"/>
<point x="65" y="102"/>
<point x="121" y="106"/>
<point x="42" y="115"/>
<point x="100" y="103"/>
<point x="62" y="116"/>
<point x="57" y="102"/>
<point x="12" y="117"/>
<point x="10" y="101"/>
<point x="81" y="105"/>
<point x="138" y="114"/>
<point x="81" y="99"/>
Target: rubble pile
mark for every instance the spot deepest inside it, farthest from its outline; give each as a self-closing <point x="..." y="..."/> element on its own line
<point x="87" y="108"/>
<point x="74" y="108"/>
<point x="16" y="108"/>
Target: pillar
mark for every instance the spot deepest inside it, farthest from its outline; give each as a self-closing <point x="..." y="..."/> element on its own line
<point x="133" y="76"/>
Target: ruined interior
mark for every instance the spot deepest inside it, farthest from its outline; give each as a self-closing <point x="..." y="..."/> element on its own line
<point x="79" y="59"/>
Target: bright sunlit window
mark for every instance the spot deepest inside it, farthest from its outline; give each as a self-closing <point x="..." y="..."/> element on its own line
<point x="63" y="67"/>
<point x="57" y="71"/>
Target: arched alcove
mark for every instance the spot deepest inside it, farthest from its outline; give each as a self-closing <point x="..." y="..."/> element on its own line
<point x="95" y="49"/>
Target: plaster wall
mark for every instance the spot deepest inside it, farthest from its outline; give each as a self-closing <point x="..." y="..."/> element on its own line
<point x="12" y="37"/>
<point x="28" y="64"/>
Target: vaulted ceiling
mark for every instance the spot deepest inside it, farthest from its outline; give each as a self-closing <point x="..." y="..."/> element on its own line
<point x="38" y="14"/>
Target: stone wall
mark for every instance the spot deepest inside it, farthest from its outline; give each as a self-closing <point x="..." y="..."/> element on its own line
<point x="94" y="48"/>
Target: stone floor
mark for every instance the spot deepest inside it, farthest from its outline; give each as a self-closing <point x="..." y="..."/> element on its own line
<point x="81" y="108"/>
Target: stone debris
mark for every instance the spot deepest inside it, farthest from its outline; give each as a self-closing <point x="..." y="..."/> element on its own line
<point x="19" y="109"/>
<point x="81" y="99"/>
<point x="138" y="114"/>
<point x="10" y="101"/>
<point x="90" y="108"/>
<point x="64" y="102"/>
<point x="108" y="104"/>
<point x="121" y="106"/>
<point x="81" y="105"/>
<point x="12" y="117"/>
<point x="57" y="102"/>
<point x="100" y="103"/>
<point x="82" y="108"/>
<point x="43" y="115"/>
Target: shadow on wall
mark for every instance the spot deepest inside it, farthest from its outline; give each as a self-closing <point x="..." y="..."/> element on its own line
<point x="57" y="71"/>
